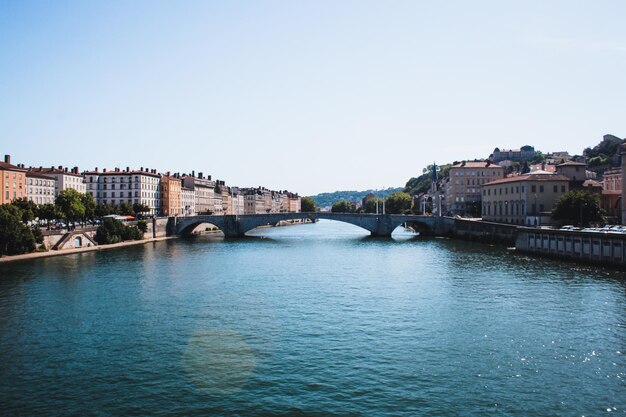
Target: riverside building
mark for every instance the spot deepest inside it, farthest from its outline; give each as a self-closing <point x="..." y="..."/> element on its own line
<point x="523" y="199"/>
<point x="40" y="188"/>
<point x="171" y="187"/>
<point x="204" y="189"/>
<point x="125" y="186"/>
<point x="12" y="181"/>
<point x="462" y="188"/>
<point x="65" y="178"/>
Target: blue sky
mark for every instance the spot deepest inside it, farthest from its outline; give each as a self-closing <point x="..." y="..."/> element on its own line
<point x="307" y="96"/>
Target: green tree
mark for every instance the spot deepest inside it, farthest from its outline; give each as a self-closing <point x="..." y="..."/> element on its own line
<point x="578" y="207"/>
<point x="539" y="158"/>
<point x="27" y="207"/>
<point x="71" y="206"/>
<point x="342" y="207"/>
<point x="398" y="203"/>
<point x="114" y="231"/>
<point x="126" y="209"/>
<point x="141" y="208"/>
<point x="48" y="212"/>
<point x="370" y="205"/>
<point x="102" y="210"/>
<point x="142" y="225"/>
<point x="308" y="205"/>
<point x="15" y="236"/>
<point x="90" y="206"/>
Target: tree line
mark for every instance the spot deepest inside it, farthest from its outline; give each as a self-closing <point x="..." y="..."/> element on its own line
<point x="397" y="203"/>
<point x="21" y="220"/>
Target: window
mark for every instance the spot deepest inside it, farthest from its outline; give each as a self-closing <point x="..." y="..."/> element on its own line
<point x="533" y="188"/>
<point x="562" y="188"/>
<point x="541" y="188"/>
<point x="556" y="188"/>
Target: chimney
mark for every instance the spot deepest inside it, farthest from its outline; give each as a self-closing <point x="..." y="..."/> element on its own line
<point x="127" y="169"/>
<point x="96" y="169"/>
<point x="141" y="169"/>
<point x="200" y="175"/>
<point x="104" y="170"/>
<point x="61" y="167"/>
<point x="65" y="169"/>
<point x="193" y="173"/>
<point x="7" y="159"/>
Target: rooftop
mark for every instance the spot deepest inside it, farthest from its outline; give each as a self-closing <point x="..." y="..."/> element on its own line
<point x="536" y="176"/>
<point x="476" y="164"/>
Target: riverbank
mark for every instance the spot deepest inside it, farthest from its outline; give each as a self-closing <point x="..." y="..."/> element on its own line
<point x="51" y="253"/>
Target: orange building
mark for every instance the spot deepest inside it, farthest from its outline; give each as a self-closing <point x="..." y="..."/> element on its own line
<point x="12" y="181"/>
<point x="171" y="188"/>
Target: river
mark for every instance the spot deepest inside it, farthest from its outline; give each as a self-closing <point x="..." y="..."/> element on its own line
<point x="311" y="320"/>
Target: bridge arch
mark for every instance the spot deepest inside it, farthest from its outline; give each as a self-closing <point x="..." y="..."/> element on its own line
<point x="237" y="226"/>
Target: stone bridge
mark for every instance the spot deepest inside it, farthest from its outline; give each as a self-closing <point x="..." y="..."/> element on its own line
<point x="379" y="225"/>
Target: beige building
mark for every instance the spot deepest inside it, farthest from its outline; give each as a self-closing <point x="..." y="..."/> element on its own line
<point x="576" y="172"/>
<point x="204" y="189"/>
<point x="523" y="199"/>
<point x="462" y="189"/>
<point x="40" y="188"/>
<point x="254" y="201"/>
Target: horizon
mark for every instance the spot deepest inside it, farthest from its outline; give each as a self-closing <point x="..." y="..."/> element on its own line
<point x="305" y="97"/>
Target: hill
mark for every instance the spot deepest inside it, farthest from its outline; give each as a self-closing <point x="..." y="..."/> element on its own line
<point x="328" y="199"/>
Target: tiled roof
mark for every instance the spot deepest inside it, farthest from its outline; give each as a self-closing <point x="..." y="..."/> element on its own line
<point x="529" y="177"/>
<point x="477" y="164"/>
<point x="54" y="171"/>
<point x="38" y="175"/>
<point x="137" y="172"/>
<point x="572" y="163"/>
<point x="4" y="165"/>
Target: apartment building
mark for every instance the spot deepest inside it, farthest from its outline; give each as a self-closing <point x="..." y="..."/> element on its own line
<point x="237" y="201"/>
<point x="12" y="181"/>
<point x="462" y="188"/>
<point x="188" y="201"/>
<point x="254" y="201"/>
<point x="40" y="188"/>
<point x="204" y="189"/>
<point x="171" y="186"/>
<point x="125" y="186"/>
<point x="65" y="178"/>
<point x="523" y="199"/>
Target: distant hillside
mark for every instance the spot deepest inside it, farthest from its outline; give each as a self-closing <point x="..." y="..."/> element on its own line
<point x="605" y="154"/>
<point x="328" y="199"/>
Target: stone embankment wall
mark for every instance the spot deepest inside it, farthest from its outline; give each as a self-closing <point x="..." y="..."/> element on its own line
<point x="589" y="247"/>
<point x="69" y="240"/>
<point x="479" y="231"/>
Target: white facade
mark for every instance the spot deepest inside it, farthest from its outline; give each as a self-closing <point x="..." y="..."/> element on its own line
<point x="188" y="201"/>
<point x="64" y="178"/>
<point x="117" y="187"/>
<point x="40" y="189"/>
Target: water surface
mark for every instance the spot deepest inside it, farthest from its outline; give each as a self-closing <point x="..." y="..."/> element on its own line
<point x="311" y="320"/>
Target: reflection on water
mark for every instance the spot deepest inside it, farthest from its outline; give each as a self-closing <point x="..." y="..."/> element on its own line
<point x="317" y="319"/>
